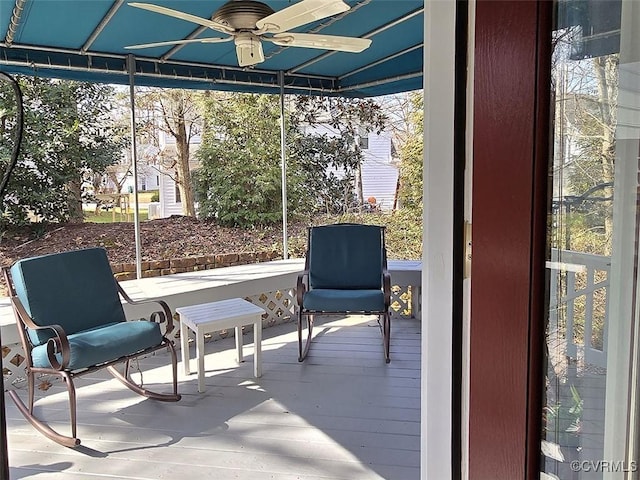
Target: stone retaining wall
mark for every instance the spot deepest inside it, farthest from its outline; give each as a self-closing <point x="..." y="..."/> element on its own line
<point x="156" y="268"/>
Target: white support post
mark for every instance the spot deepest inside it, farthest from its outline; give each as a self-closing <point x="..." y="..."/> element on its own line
<point x="283" y="155"/>
<point x="437" y="272"/>
<point x="131" y="67"/>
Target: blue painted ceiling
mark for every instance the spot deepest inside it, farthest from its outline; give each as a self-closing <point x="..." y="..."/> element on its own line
<point x="85" y="40"/>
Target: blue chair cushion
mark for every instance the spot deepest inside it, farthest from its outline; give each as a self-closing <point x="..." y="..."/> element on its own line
<point x="100" y="345"/>
<point x="334" y="300"/>
<point x="74" y="289"/>
<point x="346" y="256"/>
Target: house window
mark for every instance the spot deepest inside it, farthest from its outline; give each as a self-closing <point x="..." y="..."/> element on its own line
<point x="178" y="199"/>
<point x="363" y="138"/>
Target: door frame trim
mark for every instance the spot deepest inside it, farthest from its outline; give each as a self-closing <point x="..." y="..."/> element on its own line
<point x="509" y="208"/>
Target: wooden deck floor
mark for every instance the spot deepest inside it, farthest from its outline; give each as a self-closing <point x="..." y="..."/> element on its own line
<point x="342" y="414"/>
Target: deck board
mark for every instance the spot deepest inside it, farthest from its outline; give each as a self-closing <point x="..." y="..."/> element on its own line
<point x="342" y="414"/>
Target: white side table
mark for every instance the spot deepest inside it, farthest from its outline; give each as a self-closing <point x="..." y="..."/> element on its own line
<point x="214" y="316"/>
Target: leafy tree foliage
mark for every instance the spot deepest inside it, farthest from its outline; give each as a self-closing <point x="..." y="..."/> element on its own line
<point x="329" y="164"/>
<point x="411" y="156"/>
<point x="66" y="138"/>
<point x="239" y="182"/>
<point x="319" y="177"/>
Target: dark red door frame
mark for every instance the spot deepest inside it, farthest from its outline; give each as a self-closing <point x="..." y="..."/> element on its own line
<point x="510" y="158"/>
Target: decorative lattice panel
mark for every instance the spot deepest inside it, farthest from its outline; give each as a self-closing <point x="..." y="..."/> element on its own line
<point x="12" y="365"/>
<point x="279" y="305"/>
<point x="279" y="308"/>
<point x="401" y="302"/>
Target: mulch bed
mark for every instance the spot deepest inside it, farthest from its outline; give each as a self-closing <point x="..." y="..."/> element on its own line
<point x="167" y="238"/>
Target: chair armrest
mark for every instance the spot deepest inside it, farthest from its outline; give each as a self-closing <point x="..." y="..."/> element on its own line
<point x="56" y="344"/>
<point x="301" y="286"/>
<point x="160" y="316"/>
<point x="386" y="288"/>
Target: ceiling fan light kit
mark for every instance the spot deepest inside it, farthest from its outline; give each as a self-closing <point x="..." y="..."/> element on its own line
<point x="248" y="49"/>
<point x="249" y="22"/>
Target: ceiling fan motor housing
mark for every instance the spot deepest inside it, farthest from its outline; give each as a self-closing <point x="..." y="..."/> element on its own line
<point x="242" y="14"/>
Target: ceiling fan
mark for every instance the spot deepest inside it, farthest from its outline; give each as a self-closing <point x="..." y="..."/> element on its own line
<point x="249" y="22"/>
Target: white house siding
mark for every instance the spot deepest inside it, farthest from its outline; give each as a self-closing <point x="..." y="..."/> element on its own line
<point x="379" y="174"/>
<point x="151" y="181"/>
<point x="169" y="204"/>
<point x="379" y="150"/>
<point x="380" y="181"/>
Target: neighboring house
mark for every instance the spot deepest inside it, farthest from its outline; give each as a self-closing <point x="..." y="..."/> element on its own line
<point x="149" y="179"/>
<point x="380" y="171"/>
<point x="148" y="176"/>
<point x="170" y="202"/>
<point x="118" y="179"/>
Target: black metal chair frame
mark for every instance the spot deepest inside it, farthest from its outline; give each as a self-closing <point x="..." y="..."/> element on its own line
<point x="302" y="286"/>
<point x="59" y="344"/>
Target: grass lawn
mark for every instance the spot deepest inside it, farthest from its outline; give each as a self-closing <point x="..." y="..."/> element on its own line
<point x="114" y="215"/>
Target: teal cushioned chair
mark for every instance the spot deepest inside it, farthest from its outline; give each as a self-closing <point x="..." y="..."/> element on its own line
<point x="345" y="273"/>
<point x="69" y="314"/>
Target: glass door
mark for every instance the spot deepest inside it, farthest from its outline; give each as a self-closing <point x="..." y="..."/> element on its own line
<point x="590" y="408"/>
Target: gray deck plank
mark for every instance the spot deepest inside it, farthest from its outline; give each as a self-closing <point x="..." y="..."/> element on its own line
<point x="342" y="414"/>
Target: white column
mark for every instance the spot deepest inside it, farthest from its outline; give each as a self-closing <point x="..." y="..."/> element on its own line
<point x="437" y="272"/>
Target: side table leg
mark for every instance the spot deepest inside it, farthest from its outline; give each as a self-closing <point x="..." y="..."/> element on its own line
<point x="184" y="347"/>
<point x="257" y="347"/>
<point x="200" y="356"/>
<point x="239" y="356"/>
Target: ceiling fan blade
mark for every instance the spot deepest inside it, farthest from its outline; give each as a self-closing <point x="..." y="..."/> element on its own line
<point x="179" y="42"/>
<point x="301" y="13"/>
<point x="327" y="42"/>
<point x="248" y="49"/>
<point x="183" y="16"/>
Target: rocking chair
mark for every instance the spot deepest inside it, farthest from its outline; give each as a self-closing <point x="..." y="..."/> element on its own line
<point x="71" y="322"/>
<point x="345" y="273"/>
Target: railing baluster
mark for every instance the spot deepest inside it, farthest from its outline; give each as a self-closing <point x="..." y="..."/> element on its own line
<point x="569" y="263"/>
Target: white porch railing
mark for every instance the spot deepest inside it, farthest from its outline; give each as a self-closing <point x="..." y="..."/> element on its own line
<point x="578" y="304"/>
<point x="268" y="284"/>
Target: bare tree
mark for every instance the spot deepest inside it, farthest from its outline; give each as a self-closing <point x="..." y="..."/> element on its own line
<point x="401" y="116"/>
<point x="586" y="104"/>
<point x="175" y="112"/>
